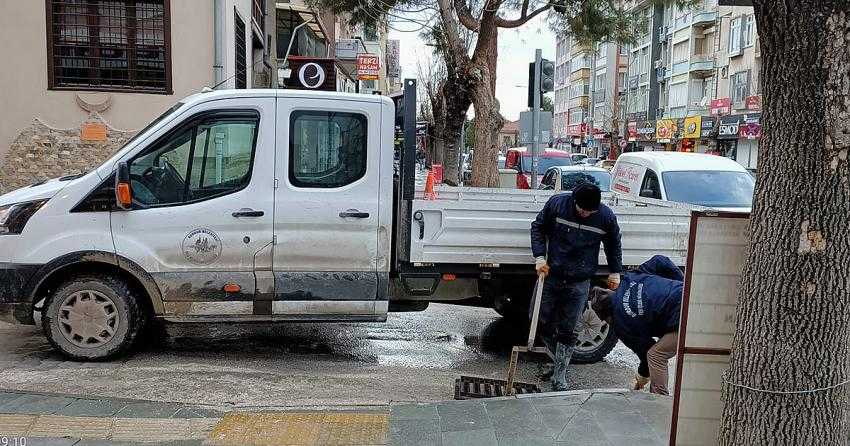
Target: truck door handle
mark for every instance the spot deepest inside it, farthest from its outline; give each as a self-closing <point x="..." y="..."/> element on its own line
<point x="246" y="212"/>
<point x="354" y="213"/>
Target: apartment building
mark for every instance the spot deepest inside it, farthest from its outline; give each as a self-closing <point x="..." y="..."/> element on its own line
<point x="85" y="75"/>
<point x="693" y="81"/>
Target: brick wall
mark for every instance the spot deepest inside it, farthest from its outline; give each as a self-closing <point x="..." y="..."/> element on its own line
<point x="41" y="152"/>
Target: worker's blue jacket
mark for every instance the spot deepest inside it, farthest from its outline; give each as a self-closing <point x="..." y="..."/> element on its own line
<point x="647" y="305"/>
<point x="573" y="242"/>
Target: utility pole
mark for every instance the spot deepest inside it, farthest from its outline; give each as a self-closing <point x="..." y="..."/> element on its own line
<point x="592" y="105"/>
<point x="535" y="119"/>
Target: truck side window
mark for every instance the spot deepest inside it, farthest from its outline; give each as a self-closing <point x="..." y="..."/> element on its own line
<point x="650" y="187"/>
<point x="326" y="149"/>
<point x="209" y="158"/>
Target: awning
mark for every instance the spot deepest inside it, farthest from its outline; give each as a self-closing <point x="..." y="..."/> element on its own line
<point x="307" y="15"/>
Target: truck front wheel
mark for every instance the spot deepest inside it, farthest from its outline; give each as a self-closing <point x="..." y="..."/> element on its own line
<point x="92" y="318"/>
<point x="595" y="338"/>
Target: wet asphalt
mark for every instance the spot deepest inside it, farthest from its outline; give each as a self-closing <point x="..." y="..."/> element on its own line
<point x="411" y="357"/>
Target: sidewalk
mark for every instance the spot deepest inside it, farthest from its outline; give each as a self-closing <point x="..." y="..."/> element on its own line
<point x="596" y="417"/>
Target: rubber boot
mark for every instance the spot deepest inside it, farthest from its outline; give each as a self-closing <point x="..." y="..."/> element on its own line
<point x="563" y="354"/>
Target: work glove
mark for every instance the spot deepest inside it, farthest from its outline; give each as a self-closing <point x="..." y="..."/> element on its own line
<point x="613" y="281"/>
<point x="639" y="382"/>
<point x="541" y="266"/>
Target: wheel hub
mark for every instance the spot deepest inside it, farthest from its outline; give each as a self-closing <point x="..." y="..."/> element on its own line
<point x="590" y="330"/>
<point x="88" y="318"/>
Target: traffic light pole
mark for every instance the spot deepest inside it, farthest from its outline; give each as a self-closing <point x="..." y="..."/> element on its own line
<point x="535" y="119"/>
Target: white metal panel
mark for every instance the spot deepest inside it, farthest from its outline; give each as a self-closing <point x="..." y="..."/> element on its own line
<point x="466" y="225"/>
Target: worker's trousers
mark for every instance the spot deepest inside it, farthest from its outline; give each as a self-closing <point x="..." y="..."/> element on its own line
<point x="562" y="303"/>
<point x="657" y="357"/>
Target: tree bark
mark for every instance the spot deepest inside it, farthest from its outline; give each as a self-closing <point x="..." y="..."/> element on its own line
<point x="488" y="121"/>
<point x="794" y="303"/>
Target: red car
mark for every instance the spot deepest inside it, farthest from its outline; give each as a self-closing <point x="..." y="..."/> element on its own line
<point x="519" y="158"/>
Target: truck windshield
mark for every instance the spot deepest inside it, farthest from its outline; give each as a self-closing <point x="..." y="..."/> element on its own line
<point x="569" y="180"/>
<point x="153" y="123"/>
<point x="710" y="188"/>
<point x="543" y="164"/>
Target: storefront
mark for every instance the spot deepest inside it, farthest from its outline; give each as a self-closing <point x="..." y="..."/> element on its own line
<point x="749" y="133"/>
<point x="646" y="135"/>
<point x="665" y="131"/>
<point x="708" y="129"/>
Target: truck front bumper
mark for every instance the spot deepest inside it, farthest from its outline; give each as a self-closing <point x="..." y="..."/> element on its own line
<point x="15" y="295"/>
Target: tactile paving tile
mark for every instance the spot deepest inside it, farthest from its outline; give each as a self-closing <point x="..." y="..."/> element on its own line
<point x="301" y="429"/>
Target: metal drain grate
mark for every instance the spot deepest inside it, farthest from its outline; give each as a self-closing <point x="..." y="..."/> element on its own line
<point x="470" y="387"/>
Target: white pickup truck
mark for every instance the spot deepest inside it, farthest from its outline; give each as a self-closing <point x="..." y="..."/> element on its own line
<point x="267" y="205"/>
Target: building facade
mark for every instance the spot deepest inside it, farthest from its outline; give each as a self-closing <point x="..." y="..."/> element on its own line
<point x="693" y="81"/>
<point x="89" y="74"/>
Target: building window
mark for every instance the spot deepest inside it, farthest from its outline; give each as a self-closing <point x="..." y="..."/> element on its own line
<point x="740" y="86"/>
<point x="678" y="95"/>
<point x="749" y="31"/>
<point x="304" y="43"/>
<point x="680" y="52"/>
<point x="109" y="45"/>
<point x="735" y="36"/>
<point x="579" y="62"/>
<point x="326" y="149"/>
<point x="241" y="62"/>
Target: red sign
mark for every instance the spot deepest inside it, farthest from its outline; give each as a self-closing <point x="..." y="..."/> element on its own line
<point x="753" y="102"/>
<point x="722" y="106"/>
<point x="750" y="128"/>
<point x="93" y="131"/>
<point x="368" y="67"/>
<point x="632" y="131"/>
<point x="576" y="129"/>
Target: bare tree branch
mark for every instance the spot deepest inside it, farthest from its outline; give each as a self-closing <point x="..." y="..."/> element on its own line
<point x="454" y="43"/>
<point x="464" y="15"/>
<point x="523" y="18"/>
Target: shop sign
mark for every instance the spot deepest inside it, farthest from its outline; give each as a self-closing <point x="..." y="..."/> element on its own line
<point x="750" y="128"/>
<point x="729" y="127"/>
<point x="722" y="106"/>
<point x="752" y="102"/>
<point x="368" y="67"/>
<point x="665" y="129"/>
<point x="707" y="127"/>
<point x="310" y="73"/>
<point x="575" y="129"/>
<point x="691" y="128"/>
<point x="646" y="131"/>
<point x="393" y="59"/>
<point x="632" y="131"/>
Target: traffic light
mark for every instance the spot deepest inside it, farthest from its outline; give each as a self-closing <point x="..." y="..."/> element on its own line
<point x="547" y="76"/>
<point x="547" y="80"/>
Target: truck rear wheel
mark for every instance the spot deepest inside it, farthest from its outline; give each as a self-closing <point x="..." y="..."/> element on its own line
<point x="92" y="318"/>
<point x="595" y="339"/>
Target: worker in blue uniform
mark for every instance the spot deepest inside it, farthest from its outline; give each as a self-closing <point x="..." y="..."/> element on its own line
<point x="644" y="313"/>
<point x="565" y="241"/>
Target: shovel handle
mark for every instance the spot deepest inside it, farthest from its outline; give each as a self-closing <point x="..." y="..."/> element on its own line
<point x="535" y="315"/>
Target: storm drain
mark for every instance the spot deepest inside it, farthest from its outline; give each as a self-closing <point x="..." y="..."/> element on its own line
<point x="470" y="387"/>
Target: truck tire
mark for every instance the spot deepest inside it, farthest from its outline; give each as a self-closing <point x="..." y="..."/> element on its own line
<point x="595" y="339"/>
<point x="92" y="317"/>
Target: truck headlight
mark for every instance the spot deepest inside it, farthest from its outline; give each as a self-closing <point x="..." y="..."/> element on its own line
<point x="13" y="217"/>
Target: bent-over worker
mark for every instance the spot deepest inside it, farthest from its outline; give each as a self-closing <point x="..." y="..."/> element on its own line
<point x="646" y="306"/>
<point x="565" y="240"/>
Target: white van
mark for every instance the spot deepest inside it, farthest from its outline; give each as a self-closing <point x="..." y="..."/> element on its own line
<point x="695" y="178"/>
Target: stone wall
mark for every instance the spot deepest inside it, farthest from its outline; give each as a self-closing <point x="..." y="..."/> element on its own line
<point x="41" y="152"/>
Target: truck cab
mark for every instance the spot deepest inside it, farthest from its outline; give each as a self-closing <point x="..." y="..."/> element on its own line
<point x="248" y="205"/>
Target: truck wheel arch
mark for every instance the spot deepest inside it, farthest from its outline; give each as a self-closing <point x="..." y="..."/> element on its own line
<point x="55" y="272"/>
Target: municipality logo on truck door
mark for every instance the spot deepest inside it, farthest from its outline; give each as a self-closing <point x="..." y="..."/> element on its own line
<point x="201" y="247"/>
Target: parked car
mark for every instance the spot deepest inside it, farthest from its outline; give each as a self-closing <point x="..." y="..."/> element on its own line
<point x="577" y="157"/>
<point x="564" y="178"/>
<point x="696" y="178"/>
<point x="590" y="161"/>
<point x="606" y="164"/>
<point x="519" y="159"/>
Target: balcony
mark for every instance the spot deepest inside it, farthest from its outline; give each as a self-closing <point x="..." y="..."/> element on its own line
<point x="583" y="73"/>
<point x="704" y="18"/>
<point x="702" y="65"/>
<point x="576" y="49"/>
<point x="258" y="21"/>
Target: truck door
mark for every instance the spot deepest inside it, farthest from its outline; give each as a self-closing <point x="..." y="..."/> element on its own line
<point x="327" y="218"/>
<point x="203" y="207"/>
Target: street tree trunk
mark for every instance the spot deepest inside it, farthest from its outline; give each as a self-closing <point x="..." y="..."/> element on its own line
<point x="457" y="103"/>
<point x="794" y="304"/>
<point x="488" y="121"/>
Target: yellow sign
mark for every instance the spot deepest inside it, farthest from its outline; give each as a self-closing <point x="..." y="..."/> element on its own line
<point x="665" y="129"/>
<point x="692" y="127"/>
<point x="93" y="131"/>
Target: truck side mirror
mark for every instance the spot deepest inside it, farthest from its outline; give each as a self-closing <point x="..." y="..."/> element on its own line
<point x="123" y="192"/>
